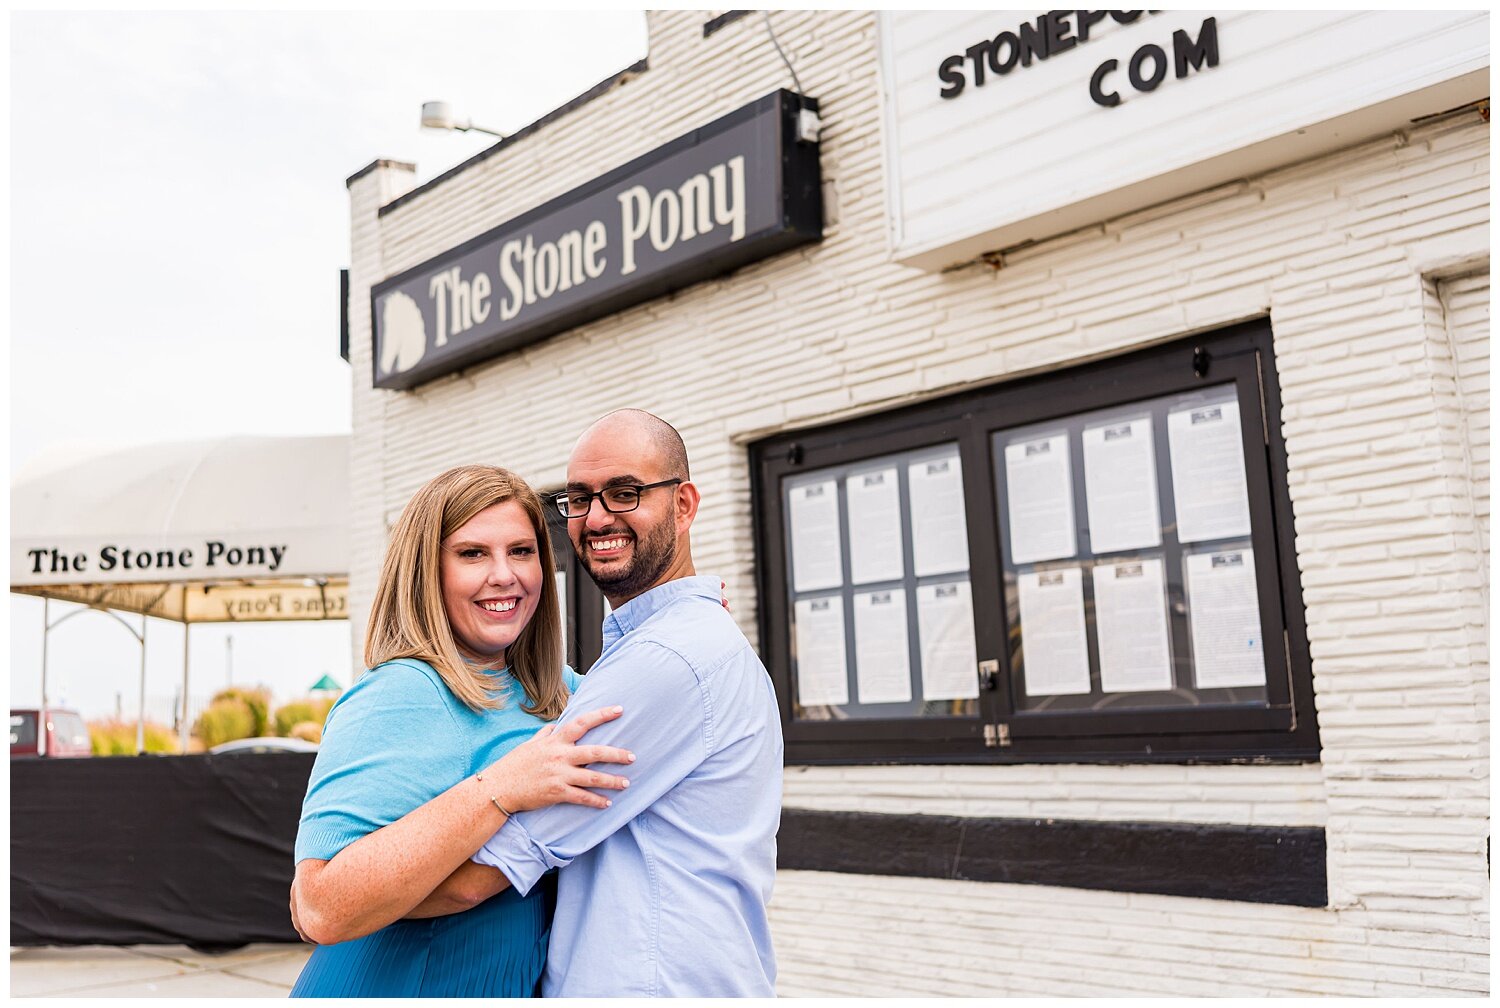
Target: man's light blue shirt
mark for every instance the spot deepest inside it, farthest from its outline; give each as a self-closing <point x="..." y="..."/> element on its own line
<point x="665" y="892"/>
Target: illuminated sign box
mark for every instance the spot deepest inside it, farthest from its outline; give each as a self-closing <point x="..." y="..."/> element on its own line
<point x="739" y="189"/>
<point x="1004" y="127"/>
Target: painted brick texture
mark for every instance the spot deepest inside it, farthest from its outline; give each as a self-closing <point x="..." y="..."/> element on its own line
<point x="1465" y="303"/>
<point x="1364" y="260"/>
<point x="913" y="937"/>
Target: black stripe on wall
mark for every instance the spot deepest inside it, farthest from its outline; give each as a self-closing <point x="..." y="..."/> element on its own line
<point x="1253" y="864"/>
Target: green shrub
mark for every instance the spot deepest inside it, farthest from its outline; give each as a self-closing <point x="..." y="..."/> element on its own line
<point x="224" y="720"/>
<point x="117" y="738"/>
<point x="297" y="711"/>
<point x="111" y="738"/>
<point x="257" y="701"/>
<point x="160" y="738"/>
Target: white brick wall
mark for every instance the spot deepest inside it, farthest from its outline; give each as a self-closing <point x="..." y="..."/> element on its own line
<point x="900" y="936"/>
<point x="383" y="182"/>
<point x="1465" y="302"/>
<point x="1250" y="795"/>
<point x="1381" y="364"/>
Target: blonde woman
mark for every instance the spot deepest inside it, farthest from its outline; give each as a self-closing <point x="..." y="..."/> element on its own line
<point x="434" y="747"/>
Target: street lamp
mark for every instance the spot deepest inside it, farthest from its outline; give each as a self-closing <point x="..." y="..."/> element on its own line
<point x="439" y="115"/>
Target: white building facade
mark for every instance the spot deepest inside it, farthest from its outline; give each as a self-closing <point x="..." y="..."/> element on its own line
<point x="1098" y="317"/>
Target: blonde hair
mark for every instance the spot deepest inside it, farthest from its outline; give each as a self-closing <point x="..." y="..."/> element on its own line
<point x="408" y="619"/>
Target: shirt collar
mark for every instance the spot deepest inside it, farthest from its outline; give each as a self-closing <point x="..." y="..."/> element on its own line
<point x="647" y="604"/>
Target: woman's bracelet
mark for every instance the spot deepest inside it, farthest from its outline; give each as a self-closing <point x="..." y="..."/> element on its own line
<point x="508" y="813"/>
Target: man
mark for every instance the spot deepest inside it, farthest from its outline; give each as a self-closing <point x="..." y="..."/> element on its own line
<point x="664" y="893"/>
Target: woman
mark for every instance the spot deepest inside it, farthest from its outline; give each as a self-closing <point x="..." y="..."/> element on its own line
<point x="430" y="751"/>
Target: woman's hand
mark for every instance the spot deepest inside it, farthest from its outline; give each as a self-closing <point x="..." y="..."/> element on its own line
<point x="387" y="874"/>
<point x="551" y="768"/>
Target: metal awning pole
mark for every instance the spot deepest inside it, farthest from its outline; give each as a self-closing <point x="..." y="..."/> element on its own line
<point x="41" y="718"/>
<point x="140" y="729"/>
<point x="140" y="721"/>
<point x="182" y="728"/>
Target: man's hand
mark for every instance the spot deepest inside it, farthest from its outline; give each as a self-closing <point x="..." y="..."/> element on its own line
<point x="384" y="875"/>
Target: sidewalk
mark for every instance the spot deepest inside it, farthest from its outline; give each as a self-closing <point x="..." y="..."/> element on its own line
<point x="155" y="971"/>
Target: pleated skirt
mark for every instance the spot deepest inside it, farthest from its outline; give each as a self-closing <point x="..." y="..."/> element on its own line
<point x="497" y="949"/>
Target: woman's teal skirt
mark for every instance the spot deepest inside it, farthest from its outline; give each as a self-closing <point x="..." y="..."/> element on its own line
<point x="497" y="949"/>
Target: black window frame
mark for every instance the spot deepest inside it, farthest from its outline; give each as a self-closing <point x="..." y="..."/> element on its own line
<point x="1284" y="730"/>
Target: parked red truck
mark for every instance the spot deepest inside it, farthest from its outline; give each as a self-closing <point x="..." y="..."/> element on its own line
<point x="67" y="735"/>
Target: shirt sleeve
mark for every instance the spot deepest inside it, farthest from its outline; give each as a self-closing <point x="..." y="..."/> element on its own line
<point x="571" y="679"/>
<point x="381" y="757"/>
<point x="665" y="724"/>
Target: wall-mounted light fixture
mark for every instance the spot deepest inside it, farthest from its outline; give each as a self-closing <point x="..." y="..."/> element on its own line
<point x="439" y="115"/>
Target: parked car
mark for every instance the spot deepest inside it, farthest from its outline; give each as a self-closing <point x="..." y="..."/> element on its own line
<point x="264" y="744"/>
<point x="67" y="735"/>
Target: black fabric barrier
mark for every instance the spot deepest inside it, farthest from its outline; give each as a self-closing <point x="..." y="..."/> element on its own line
<point x="197" y="850"/>
<point x="162" y="850"/>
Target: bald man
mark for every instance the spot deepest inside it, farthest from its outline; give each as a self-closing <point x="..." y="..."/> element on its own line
<point x="664" y="893"/>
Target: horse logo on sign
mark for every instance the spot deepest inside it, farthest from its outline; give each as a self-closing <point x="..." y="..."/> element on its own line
<point x="404" y="334"/>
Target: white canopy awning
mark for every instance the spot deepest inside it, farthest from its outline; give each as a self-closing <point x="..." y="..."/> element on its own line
<point x="240" y="528"/>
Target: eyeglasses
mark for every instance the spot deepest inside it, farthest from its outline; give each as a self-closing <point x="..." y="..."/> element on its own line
<point x="615" y="499"/>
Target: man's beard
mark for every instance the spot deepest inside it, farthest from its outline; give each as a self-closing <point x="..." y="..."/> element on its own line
<point x="650" y="558"/>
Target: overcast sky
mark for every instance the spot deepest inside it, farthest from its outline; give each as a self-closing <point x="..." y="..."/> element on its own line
<point x="178" y="221"/>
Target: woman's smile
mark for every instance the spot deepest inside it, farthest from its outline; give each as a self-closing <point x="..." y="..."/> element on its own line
<point x="492" y="580"/>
